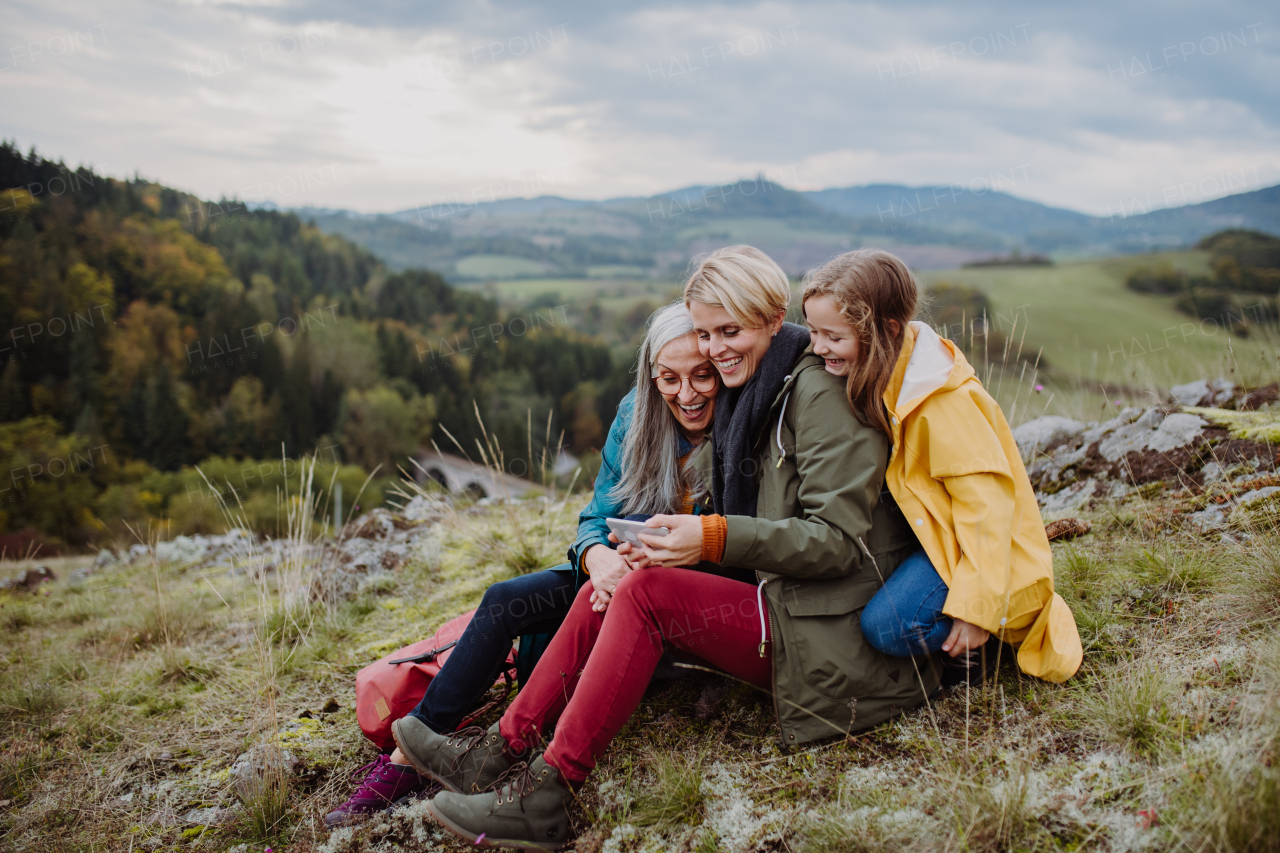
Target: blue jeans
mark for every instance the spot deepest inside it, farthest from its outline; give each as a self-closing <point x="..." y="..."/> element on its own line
<point x="905" y="617"/>
<point x="535" y="603"/>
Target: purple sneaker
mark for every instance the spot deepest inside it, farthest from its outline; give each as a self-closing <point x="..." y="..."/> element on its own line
<point x="384" y="784"/>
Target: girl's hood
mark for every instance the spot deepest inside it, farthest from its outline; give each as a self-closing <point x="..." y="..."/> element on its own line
<point x="934" y="364"/>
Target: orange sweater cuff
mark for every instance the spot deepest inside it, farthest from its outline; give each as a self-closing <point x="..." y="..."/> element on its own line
<point x="715" y="529"/>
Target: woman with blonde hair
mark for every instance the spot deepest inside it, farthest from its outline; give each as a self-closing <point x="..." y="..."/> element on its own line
<point x="795" y="486"/>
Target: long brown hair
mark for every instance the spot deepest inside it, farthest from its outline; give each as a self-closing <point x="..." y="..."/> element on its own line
<point x="876" y="293"/>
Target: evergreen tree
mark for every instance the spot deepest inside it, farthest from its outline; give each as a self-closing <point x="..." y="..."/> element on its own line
<point x="13" y="394"/>
<point x="168" y="445"/>
<point x="295" y="397"/>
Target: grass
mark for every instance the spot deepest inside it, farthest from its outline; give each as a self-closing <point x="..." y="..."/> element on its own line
<point x="1135" y="710"/>
<point x="1175" y="713"/>
<point x="672" y="793"/>
<point x="1123" y="337"/>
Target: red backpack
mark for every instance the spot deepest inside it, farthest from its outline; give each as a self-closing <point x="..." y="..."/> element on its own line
<point x="393" y="686"/>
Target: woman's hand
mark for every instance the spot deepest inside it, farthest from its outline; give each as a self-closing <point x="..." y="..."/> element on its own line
<point x="606" y="568"/>
<point x="964" y="637"/>
<point x="681" y="547"/>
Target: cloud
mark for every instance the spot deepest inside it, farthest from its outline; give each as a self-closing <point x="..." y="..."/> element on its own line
<point x="403" y="105"/>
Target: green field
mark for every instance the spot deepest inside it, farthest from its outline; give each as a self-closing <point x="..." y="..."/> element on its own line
<point x="1093" y="328"/>
<point x="498" y="266"/>
<point x="614" y="293"/>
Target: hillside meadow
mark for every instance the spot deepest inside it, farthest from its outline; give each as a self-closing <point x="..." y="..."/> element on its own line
<point x="128" y="693"/>
<point x="1093" y="328"/>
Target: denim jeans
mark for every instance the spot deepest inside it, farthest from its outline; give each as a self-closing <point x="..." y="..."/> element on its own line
<point x="535" y="603"/>
<point x="905" y="616"/>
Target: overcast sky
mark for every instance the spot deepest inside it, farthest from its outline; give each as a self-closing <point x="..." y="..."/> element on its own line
<point x="379" y="106"/>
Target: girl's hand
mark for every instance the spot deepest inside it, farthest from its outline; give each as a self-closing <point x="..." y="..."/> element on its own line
<point x="681" y="547"/>
<point x="606" y="568"/>
<point x="964" y="636"/>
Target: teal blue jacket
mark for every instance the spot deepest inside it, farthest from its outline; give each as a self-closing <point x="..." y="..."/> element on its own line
<point x="592" y="529"/>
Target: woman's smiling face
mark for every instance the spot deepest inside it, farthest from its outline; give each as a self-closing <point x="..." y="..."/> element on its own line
<point x="689" y="385"/>
<point x="735" y="349"/>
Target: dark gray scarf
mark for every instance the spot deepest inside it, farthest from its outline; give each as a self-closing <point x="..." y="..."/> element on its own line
<point x="741" y="413"/>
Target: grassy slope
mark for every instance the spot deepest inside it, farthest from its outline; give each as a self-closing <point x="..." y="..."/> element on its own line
<point x="1091" y="326"/>
<point x="150" y="680"/>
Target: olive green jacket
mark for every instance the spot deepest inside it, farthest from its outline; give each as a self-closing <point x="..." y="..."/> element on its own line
<point x="821" y="475"/>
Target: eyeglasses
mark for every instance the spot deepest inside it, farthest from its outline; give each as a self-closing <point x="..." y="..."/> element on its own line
<point x="703" y="382"/>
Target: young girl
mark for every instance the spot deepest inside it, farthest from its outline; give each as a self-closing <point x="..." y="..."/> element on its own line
<point x="984" y="567"/>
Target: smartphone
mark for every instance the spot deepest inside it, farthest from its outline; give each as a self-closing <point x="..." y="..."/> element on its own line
<point x="626" y="531"/>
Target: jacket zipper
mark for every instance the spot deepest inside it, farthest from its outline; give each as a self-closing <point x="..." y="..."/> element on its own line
<point x="760" y="602"/>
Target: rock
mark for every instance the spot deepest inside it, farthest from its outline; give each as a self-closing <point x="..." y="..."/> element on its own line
<point x="1079" y="496"/>
<point x="106" y="557"/>
<point x="29" y="579"/>
<point x="1254" y="498"/>
<point x="1260" y="506"/>
<point x="423" y="509"/>
<point x="181" y="549"/>
<point x="1212" y="518"/>
<point x="1066" y="528"/>
<point x="1213" y="473"/>
<point x="209" y="816"/>
<point x="1169" y="433"/>
<point x="1043" y="433"/>
<point x="1261" y="478"/>
<point x="1073" y="498"/>
<point x="1203" y="393"/>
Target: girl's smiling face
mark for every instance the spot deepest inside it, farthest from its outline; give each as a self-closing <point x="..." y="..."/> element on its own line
<point x="831" y="334"/>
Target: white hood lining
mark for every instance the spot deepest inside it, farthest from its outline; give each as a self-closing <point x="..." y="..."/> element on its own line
<point x="929" y="368"/>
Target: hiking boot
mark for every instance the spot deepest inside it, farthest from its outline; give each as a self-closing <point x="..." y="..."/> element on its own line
<point x="465" y="762"/>
<point x="529" y="811"/>
<point x="971" y="668"/>
<point x="384" y="785"/>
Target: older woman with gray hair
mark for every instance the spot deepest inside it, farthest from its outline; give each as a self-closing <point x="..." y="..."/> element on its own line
<point x="646" y="469"/>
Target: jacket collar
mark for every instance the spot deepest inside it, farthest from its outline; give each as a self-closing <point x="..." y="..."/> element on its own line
<point x="683" y="444"/>
<point x="806" y="362"/>
<point x="927" y="365"/>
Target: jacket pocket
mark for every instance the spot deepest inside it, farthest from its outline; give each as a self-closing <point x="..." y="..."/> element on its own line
<point x="836" y="661"/>
<point x="827" y="598"/>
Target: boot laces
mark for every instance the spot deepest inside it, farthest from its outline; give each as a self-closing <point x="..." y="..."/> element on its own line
<point x="372" y="772"/>
<point x="466" y="740"/>
<point x="520" y="782"/>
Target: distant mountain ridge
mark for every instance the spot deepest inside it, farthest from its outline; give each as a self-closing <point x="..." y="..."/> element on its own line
<point x="930" y="226"/>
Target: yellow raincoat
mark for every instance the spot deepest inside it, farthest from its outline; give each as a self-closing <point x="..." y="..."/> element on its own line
<point x="958" y="477"/>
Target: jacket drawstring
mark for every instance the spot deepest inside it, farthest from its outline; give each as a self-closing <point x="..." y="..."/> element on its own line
<point x="782" y="451"/>
<point x="764" y="636"/>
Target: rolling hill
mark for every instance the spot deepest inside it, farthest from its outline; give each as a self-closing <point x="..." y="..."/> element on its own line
<point x="935" y="227"/>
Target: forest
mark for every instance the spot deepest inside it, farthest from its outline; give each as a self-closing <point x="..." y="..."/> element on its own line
<point x="148" y="332"/>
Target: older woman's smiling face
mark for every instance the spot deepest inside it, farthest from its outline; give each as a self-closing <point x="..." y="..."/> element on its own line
<point x="688" y="383"/>
<point x="735" y="349"/>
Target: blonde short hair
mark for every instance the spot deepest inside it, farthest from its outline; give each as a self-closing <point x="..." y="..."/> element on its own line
<point x="743" y="281"/>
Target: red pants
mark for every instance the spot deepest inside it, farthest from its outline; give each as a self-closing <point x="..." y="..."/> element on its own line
<point x="595" y="671"/>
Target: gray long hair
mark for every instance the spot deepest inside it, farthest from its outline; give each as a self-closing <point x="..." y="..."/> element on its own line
<point x="652" y="479"/>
